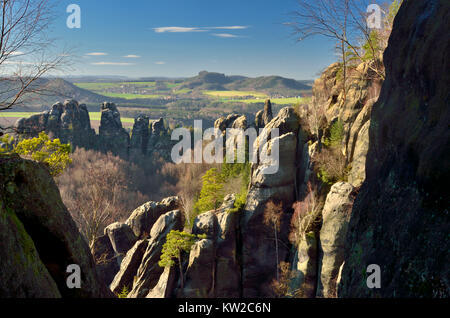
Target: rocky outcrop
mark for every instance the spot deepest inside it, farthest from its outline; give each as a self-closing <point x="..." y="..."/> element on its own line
<point x="140" y="134"/>
<point x="69" y="122"/>
<point x="121" y="237"/>
<point x="39" y="239"/>
<point x="336" y="215"/>
<point x="142" y="219"/>
<point x="106" y="260"/>
<point x="258" y="252"/>
<point x="160" y="143"/>
<point x="400" y="217"/>
<point x="113" y="137"/>
<point x="226" y="122"/>
<point x="213" y="269"/>
<point x="129" y="267"/>
<point x="149" y="271"/>
<point x="166" y="284"/>
<point x="263" y="117"/>
<point x="304" y="270"/>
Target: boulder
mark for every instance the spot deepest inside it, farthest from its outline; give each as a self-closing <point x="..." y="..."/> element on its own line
<point x="121" y="236"/>
<point x="142" y="219"/>
<point x="336" y="215"/>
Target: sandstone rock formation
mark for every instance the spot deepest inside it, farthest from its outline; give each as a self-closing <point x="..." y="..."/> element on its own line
<point x="336" y="215"/>
<point x="142" y="219"/>
<point x="140" y="134"/>
<point x="113" y="137"/>
<point x="69" y="122"/>
<point x="39" y="238"/>
<point x="263" y="117"/>
<point x="258" y="252"/>
<point x="400" y="217"/>
<point x="149" y="272"/>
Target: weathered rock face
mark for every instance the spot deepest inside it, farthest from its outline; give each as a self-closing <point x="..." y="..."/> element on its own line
<point x="149" y="271"/>
<point x="140" y="134"/>
<point x="201" y="270"/>
<point x="258" y="250"/>
<point x="142" y="219"/>
<point x="129" y="267"/>
<point x="121" y="236"/>
<point x="304" y="281"/>
<point x="106" y="260"/>
<point x="166" y="284"/>
<point x="213" y="269"/>
<point x="400" y="218"/>
<point x="69" y="122"/>
<point x="336" y="216"/>
<point x="113" y="137"/>
<point x="39" y="238"/>
<point x="226" y="122"/>
<point x="160" y="143"/>
<point x="263" y="117"/>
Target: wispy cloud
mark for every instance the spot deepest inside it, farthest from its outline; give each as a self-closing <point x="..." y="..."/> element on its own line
<point x="96" y="54"/>
<point x="132" y="56"/>
<point x="113" y="63"/>
<point x="225" y="35"/>
<point x="177" y="29"/>
<point x="17" y="53"/>
<point x="233" y="27"/>
<point x="160" y="63"/>
<point x="174" y="29"/>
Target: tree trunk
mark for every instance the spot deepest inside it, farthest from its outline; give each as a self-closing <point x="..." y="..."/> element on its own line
<point x="276" y="250"/>
<point x="181" y="272"/>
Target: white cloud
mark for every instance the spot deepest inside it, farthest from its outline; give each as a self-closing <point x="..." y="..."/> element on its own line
<point x="233" y="27"/>
<point x="225" y="35"/>
<point x="160" y="63"/>
<point x="113" y="63"/>
<point x="17" y="53"/>
<point x="132" y="56"/>
<point x="97" y="54"/>
<point x="177" y="29"/>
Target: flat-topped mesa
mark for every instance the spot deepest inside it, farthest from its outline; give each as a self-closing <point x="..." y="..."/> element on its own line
<point x="68" y="121"/>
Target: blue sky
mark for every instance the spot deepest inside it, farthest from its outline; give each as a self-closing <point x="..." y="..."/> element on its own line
<point x="235" y="37"/>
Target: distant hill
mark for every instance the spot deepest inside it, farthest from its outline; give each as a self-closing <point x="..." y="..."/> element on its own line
<point x="52" y="90"/>
<point x="268" y="84"/>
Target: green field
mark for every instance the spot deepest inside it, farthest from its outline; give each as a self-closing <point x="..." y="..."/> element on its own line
<point x="233" y="94"/>
<point x="92" y="115"/>
<point x="279" y="101"/>
<point x="131" y="96"/>
<point x="98" y="87"/>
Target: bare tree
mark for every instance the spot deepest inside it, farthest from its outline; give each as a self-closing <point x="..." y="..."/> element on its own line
<point x="345" y="22"/>
<point x="26" y="54"/>
<point x="272" y="218"/>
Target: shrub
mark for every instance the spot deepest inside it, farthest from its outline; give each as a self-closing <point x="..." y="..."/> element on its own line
<point x="176" y="243"/>
<point x="124" y="293"/>
<point x="336" y="134"/>
<point x="41" y="149"/>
